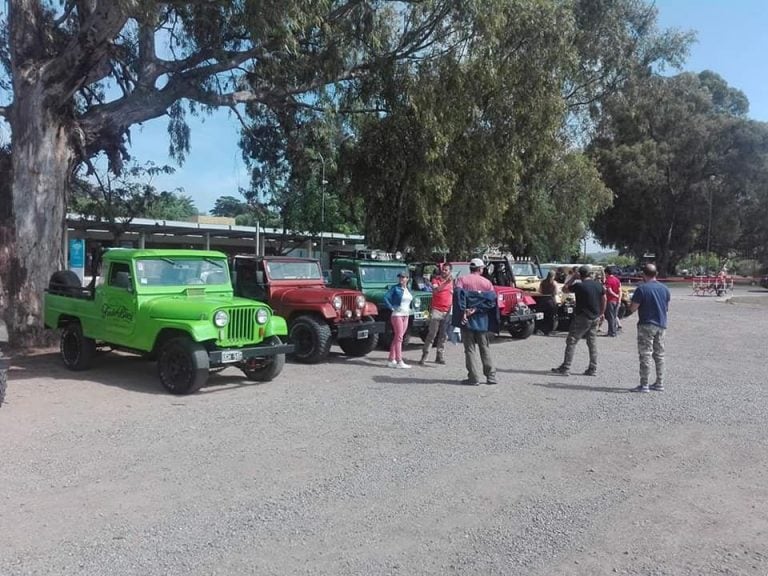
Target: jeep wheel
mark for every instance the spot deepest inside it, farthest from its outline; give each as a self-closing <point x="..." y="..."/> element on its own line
<point x="183" y="366"/>
<point x="357" y="348"/>
<point x="522" y="330"/>
<point x="76" y="350"/>
<point x="266" y="369"/>
<point x="311" y="338"/>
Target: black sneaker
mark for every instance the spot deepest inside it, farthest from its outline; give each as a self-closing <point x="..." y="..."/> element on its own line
<point x="641" y="388"/>
<point x="491" y="382"/>
<point x="590" y="372"/>
<point x="469" y="382"/>
<point x="562" y="370"/>
<point x="657" y="387"/>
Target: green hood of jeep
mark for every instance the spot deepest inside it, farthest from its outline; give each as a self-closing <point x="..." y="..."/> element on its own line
<point x="181" y="307"/>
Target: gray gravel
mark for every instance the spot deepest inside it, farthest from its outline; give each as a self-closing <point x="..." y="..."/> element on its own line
<point x="353" y="468"/>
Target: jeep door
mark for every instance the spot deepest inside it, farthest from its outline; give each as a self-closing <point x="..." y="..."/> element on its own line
<point x="117" y="303"/>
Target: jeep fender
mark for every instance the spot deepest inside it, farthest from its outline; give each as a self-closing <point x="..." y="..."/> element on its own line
<point x="277" y="326"/>
<point x="370" y="309"/>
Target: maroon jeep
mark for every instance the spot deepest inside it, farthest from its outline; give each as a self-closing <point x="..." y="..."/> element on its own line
<point x="515" y="305"/>
<point x="316" y="315"/>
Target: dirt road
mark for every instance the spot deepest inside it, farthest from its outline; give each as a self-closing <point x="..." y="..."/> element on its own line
<point x="353" y="468"/>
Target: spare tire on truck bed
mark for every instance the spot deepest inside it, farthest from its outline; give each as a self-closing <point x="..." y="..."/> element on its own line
<point x="65" y="281"/>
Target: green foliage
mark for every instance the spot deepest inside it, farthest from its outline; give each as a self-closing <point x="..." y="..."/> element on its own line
<point x="229" y="206"/>
<point x="117" y="200"/>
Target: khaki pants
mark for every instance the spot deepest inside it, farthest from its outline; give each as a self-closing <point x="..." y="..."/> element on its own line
<point x="650" y="344"/>
<point x="437" y="322"/>
<point x="581" y="327"/>
<point x="477" y="355"/>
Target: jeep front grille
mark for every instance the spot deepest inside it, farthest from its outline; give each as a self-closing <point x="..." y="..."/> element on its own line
<point x="426" y="303"/>
<point x="242" y="326"/>
<point x="510" y="299"/>
<point x="348" y="302"/>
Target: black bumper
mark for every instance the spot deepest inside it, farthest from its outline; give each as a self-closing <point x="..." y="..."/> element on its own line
<point x="353" y="329"/>
<point x="519" y="318"/>
<point x="216" y="357"/>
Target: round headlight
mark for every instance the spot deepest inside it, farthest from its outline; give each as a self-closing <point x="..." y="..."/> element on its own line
<point x="360" y="301"/>
<point x="337" y="302"/>
<point x="417" y="303"/>
<point x="221" y="318"/>
<point x="262" y="315"/>
<point x="348" y="313"/>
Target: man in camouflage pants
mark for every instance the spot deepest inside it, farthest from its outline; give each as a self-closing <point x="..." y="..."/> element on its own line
<point x="651" y="301"/>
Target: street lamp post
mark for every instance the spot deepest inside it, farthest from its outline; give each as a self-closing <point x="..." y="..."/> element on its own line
<point x="323" y="182"/>
<point x="709" y="221"/>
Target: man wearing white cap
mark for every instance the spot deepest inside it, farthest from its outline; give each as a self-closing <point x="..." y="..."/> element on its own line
<point x="475" y="309"/>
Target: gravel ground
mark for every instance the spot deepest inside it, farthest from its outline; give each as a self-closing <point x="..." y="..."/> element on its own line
<point x="351" y="468"/>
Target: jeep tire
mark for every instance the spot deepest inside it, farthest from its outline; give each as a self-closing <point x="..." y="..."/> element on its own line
<point x="357" y="348"/>
<point x="268" y="369"/>
<point x="522" y="330"/>
<point x="183" y="365"/>
<point x="311" y="338"/>
<point x="77" y="351"/>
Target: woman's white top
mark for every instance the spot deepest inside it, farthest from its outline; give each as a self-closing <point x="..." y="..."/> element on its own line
<point x="405" y="304"/>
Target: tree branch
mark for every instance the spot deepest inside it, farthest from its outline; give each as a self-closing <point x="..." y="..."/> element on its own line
<point x="5" y="111"/>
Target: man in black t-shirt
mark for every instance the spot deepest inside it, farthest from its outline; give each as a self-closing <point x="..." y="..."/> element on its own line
<point x="590" y="308"/>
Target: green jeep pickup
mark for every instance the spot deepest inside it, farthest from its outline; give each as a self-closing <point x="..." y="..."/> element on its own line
<point x="173" y="305"/>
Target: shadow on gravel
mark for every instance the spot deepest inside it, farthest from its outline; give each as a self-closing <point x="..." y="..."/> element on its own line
<point x="128" y="372"/>
<point x="534" y="372"/>
<point x="580" y="387"/>
<point x="407" y="380"/>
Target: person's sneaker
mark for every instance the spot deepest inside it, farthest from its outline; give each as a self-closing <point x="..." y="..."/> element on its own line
<point x="562" y="370"/>
<point x="491" y="382"/>
<point x="640" y="388"/>
<point x="657" y="387"/>
<point x="391" y="364"/>
<point x="469" y="382"/>
<point x="590" y="372"/>
<point x="439" y="359"/>
<point x="402" y="364"/>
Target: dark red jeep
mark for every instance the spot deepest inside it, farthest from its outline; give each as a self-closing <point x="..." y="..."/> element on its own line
<point x="515" y="306"/>
<point x="316" y="314"/>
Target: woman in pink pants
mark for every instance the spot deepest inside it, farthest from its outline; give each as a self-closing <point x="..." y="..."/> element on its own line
<point x="398" y="300"/>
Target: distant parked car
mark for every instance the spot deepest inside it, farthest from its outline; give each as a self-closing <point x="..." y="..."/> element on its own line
<point x="764" y="281"/>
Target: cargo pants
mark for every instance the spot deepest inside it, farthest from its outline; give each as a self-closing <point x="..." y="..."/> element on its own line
<point x="650" y="344"/>
<point x="581" y="327"/>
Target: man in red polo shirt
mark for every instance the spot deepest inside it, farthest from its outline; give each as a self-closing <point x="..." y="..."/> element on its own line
<point x="613" y="297"/>
<point x="442" y="298"/>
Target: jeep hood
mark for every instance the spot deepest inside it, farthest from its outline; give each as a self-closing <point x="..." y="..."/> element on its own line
<point x="308" y="295"/>
<point x="181" y="307"/>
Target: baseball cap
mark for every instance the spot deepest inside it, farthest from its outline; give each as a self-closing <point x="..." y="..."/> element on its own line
<point x="476" y="263"/>
<point x="402" y="274"/>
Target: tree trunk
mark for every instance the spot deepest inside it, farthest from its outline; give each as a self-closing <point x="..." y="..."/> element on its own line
<point x="32" y="237"/>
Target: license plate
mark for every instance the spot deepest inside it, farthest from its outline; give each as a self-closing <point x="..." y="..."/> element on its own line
<point x="362" y="334"/>
<point x="229" y="356"/>
<point x="569" y="310"/>
<point x="420" y="315"/>
<point x="539" y="315"/>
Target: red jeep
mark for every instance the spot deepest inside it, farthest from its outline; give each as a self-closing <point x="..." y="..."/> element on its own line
<point x="316" y="315"/>
<point x="514" y="304"/>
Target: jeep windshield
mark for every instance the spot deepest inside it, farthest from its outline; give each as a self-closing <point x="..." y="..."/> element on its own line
<point x="380" y="275"/>
<point x="460" y="270"/>
<point x="524" y="269"/>
<point x="294" y="270"/>
<point x="181" y="271"/>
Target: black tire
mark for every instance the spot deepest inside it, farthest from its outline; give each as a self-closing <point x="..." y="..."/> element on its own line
<point x="77" y="351"/>
<point x="183" y="366"/>
<point x="624" y="311"/>
<point x="522" y="330"/>
<point x="312" y="339"/>
<point x="385" y="338"/>
<point x="358" y="348"/>
<point x="268" y="369"/>
<point x="65" y="282"/>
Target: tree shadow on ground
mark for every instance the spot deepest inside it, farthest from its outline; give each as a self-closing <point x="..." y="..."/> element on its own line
<point x="580" y="387"/>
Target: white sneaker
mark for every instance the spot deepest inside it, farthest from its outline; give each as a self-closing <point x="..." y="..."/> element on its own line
<point x="392" y="364"/>
<point x="402" y="364"/>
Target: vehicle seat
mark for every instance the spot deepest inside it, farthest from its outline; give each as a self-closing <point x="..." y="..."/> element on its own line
<point x="122" y="280"/>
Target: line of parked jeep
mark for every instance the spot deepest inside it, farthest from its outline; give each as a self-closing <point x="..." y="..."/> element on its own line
<point x="194" y="311"/>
